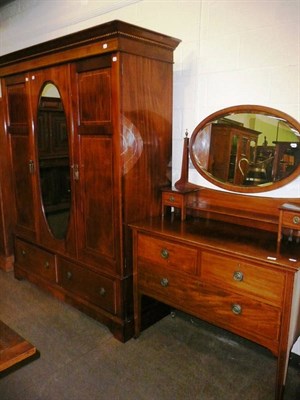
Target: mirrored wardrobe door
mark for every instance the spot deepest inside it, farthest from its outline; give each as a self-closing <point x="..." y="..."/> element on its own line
<point x="53" y="145"/>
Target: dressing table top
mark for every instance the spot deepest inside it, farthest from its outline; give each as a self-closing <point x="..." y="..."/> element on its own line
<point x="252" y="243"/>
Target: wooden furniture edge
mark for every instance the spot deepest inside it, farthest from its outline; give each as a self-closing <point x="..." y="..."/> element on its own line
<point x="13" y="347"/>
<point x="7" y="263"/>
<point x="256" y="211"/>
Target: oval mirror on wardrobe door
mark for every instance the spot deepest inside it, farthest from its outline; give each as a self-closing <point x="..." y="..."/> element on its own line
<point x="54" y="165"/>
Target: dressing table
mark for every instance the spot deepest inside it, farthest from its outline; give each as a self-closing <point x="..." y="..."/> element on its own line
<point x="221" y="263"/>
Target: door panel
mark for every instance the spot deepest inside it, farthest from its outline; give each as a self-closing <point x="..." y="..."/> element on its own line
<point x="99" y="229"/>
<point x="22" y="178"/>
<point x="94" y="86"/>
<point x="97" y="201"/>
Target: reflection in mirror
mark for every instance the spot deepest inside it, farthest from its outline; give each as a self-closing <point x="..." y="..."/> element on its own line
<point x="53" y="154"/>
<point x="253" y="149"/>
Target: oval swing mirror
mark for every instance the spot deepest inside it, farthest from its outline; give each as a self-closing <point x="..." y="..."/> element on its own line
<point x="247" y="148"/>
<point x="54" y="165"/>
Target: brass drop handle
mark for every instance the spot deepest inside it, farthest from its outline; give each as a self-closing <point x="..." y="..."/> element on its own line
<point x="102" y="292"/>
<point x="23" y="253"/>
<point x="69" y="275"/>
<point x="172" y="199"/>
<point x="47" y="265"/>
<point x="164" y="253"/>
<point x="164" y="282"/>
<point x="238" y="276"/>
<point x="236" y="309"/>
<point x="296" y="220"/>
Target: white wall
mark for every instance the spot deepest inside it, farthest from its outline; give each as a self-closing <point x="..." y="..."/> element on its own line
<point x="232" y="51"/>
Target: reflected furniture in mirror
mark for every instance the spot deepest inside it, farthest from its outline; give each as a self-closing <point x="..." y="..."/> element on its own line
<point x="89" y="144"/>
<point x="230" y="147"/>
<point x="221" y="263"/>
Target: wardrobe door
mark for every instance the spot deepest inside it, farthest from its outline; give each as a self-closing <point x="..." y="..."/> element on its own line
<point x="98" y="179"/>
<point x="53" y="143"/>
<point x="22" y="163"/>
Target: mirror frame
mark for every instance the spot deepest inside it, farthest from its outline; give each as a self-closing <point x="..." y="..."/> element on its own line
<point x="249" y="108"/>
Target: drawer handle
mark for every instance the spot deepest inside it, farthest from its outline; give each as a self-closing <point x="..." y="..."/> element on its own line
<point x="164" y="282"/>
<point x="23" y="253"/>
<point x="296" y="220"/>
<point x="69" y="275"/>
<point x="238" y="276"/>
<point x="236" y="309"/>
<point x="172" y="199"/>
<point x="102" y="292"/>
<point x="47" y="265"/>
<point x="164" y="253"/>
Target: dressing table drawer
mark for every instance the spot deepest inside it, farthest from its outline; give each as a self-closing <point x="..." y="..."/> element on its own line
<point x="238" y="313"/>
<point x="291" y="219"/>
<point x="165" y="283"/>
<point x="168" y="254"/>
<point x="33" y="259"/>
<point x="173" y="199"/>
<point x="245" y="316"/>
<point x="250" y="279"/>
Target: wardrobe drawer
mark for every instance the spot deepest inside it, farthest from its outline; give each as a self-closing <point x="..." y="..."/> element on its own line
<point x="33" y="259"/>
<point x="247" y="278"/>
<point x="94" y="288"/>
<point x="237" y="313"/>
<point x="167" y="254"/>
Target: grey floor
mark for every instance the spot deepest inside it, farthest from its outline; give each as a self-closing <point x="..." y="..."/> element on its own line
<point x="175" y="359"/>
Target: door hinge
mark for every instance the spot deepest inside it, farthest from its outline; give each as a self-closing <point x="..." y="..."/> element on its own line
<point x="31" y="166"/>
